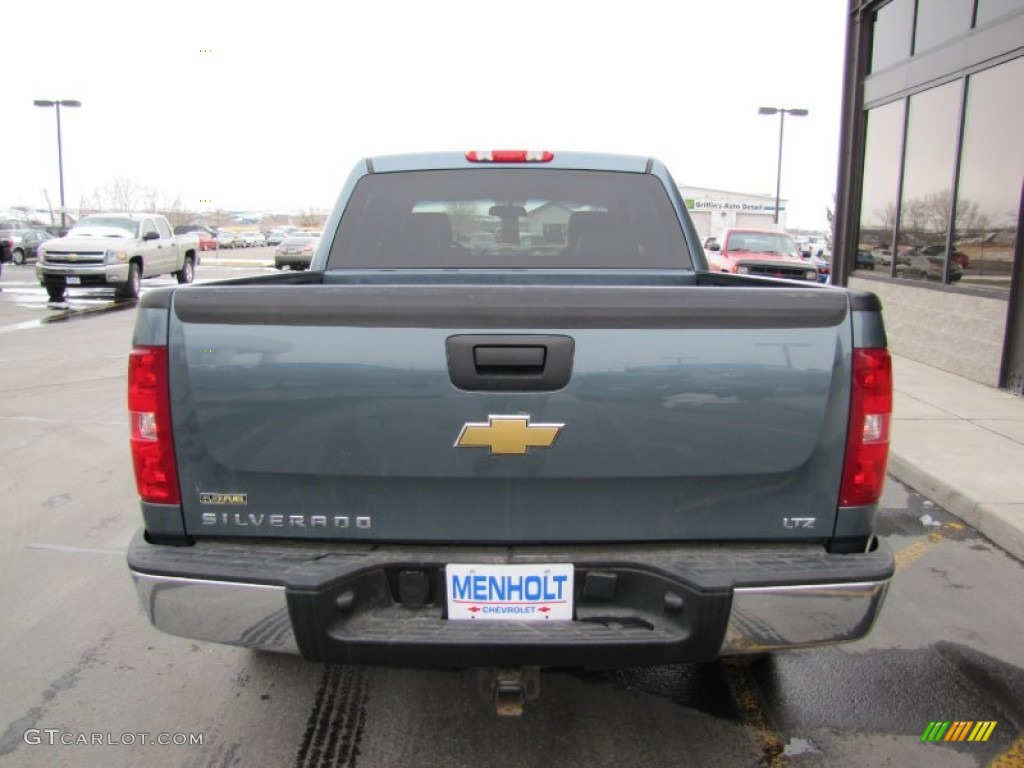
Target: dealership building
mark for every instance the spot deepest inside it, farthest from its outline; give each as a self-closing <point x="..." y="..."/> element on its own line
<point x="713" y="210"/>
<point x="930" y="179"/>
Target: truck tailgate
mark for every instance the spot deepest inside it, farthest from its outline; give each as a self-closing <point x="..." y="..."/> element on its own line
<point x="689" y="413"/>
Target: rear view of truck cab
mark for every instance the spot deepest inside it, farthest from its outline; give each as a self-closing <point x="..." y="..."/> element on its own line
<point x="510" y="419"/>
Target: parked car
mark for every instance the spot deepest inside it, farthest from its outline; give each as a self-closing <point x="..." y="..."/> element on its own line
<point x="276" y="236"/>
<point x="959" y="258"/>
<point x="207" y="242"/>
<point x="296" y="252"/>
<point x="253" y="239"/>
<point x="11" y="229"/>
<point x="864" y="260"/>
<point x="823" y="266"/>
<point x="184" y="229"/>
<point x="227" y="239"/>
<point x="918" y="266"/>
<point x="882" y="256"/>
<point x="22" y="245"/>
<point x="116" y="250"/>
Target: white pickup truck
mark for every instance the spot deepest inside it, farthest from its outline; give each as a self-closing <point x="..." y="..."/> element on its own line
<point x="116" y="249"/>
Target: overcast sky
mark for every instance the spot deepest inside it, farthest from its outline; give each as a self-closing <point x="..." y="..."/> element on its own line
<point x="251" y="106"/>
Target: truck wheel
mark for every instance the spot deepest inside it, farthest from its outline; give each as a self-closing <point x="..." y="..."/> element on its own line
<point x="56" y="290"/>
<point x="18" y="257"/>
<point x="188" y="271"/>
<point x="130" y="290"/>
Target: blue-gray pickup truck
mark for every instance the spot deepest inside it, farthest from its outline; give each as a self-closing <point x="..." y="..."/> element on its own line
<point x="510" y="420"/>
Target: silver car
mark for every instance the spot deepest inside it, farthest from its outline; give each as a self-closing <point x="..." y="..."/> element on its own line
<point x="296" y="251"/>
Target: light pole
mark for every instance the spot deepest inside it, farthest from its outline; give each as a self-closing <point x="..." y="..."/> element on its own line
<point x="60" y="150"/>
<point x="782" y="112"/>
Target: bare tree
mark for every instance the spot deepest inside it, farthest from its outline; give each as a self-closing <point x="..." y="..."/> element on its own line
<point x="176" y="212"/>
<point x="89" y="204"/>
<point x="151" y="200"/>
<point x="311" y="218"/>
<point x="968" y="218"/>
<point x="463" y="216"/>
<point x="914" y="218"/>
<point x="886" y="217"/>
<point x="123" y="194"/>
<point x="49" y="205"/>
<point x="936" y="208"/>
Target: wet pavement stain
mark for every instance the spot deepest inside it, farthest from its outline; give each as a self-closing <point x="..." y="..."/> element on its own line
<point x="701" y="687"/>
<point x="895" y="692"/>
<point x="921" y="517"/>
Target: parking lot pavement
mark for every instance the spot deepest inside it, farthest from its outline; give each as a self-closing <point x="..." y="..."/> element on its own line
<point x="24" y="303"/>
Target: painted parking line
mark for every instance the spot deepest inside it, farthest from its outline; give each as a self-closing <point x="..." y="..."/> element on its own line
<point x="914" y="552"/>
<point x="767" y="741"/>
<point x="1013" y="757"/>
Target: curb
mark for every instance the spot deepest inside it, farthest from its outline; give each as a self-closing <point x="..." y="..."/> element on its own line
<point x="997" y="522"/>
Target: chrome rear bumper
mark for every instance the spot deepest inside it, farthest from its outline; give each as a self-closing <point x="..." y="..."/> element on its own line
<point x="669" y="607"/>
<point x="775" y="618"/>
<point x="250" y="615"/>
<point x="761" y="619"/>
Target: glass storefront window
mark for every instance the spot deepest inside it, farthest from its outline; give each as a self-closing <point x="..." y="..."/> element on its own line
<point x="878" y="191"/>
<point x="941" y="20"/>
<point x="891" y="34"/>
<point x="991" y="170"/>
<point x="927" y="201"/>
<point x="993" y="9"/>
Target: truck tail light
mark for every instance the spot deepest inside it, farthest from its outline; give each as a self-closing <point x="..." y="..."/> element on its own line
<point x="867" y="443"/>
<point x="509" y="156"/>
<point x="149" y="411"/>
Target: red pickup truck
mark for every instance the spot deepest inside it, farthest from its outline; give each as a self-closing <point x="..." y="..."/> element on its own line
<point x="761" y="253"/>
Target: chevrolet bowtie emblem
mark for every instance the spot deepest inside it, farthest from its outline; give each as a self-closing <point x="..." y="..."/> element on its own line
<point x="508" y="435"/>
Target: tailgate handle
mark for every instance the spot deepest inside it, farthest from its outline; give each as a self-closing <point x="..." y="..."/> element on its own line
<point x="494" y="363"/>
<point x="509" y="359"/>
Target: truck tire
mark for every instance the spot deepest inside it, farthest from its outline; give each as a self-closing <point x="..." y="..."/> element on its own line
<point x="56" y="289"/>
<point x="131" y="288"/>
<point x="188" y="271"/>
<point x="18" y="256"/>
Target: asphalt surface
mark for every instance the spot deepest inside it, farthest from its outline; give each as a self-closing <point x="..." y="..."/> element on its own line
<point x="80" y="661"/>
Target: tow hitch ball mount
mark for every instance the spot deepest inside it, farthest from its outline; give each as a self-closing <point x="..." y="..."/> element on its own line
<point x="509" y="688"/>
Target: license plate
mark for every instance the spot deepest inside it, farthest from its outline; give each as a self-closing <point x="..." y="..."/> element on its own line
<point x="73" y="280"/>
<point x="521" y="592"/>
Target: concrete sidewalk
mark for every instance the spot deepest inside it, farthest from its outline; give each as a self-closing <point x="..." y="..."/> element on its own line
<point x="961" y="444"/>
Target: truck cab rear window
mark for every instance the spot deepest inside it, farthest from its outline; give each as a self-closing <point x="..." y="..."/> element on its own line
<point x="508" y="218"/>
